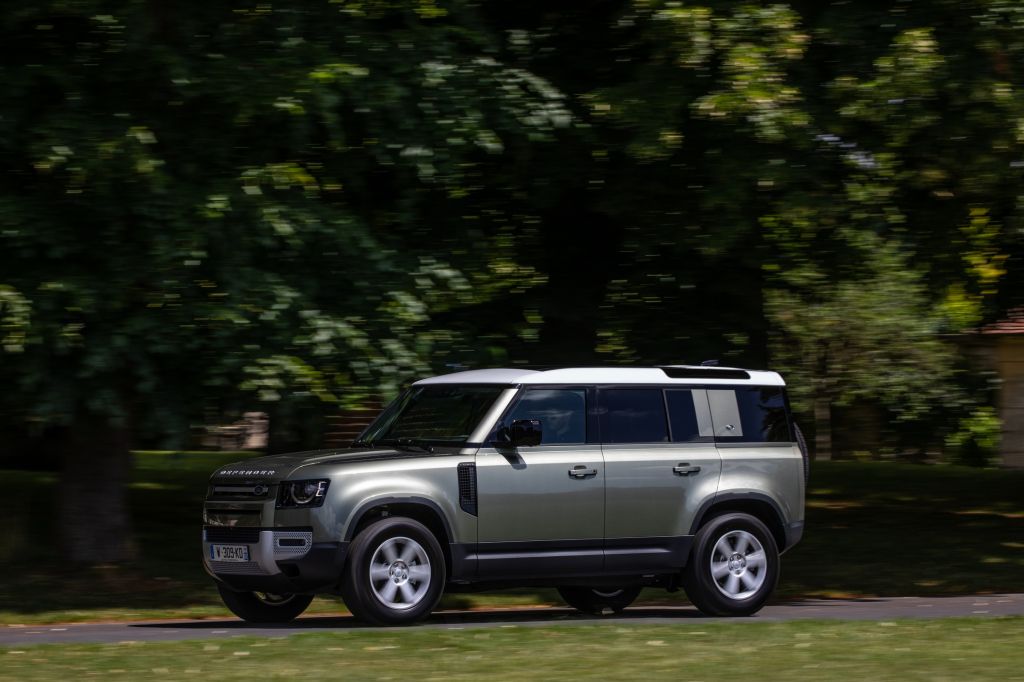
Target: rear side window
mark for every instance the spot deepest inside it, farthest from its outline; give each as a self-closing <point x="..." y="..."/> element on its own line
<point x="750" y="415"/>
<point x="633" y="415"/>
<point x="562" y="413"/>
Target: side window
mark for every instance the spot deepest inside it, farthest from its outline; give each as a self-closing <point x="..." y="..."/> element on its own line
<point x="689" y="416"/>
<point x="751" y="415"/>
<point x="562" y="413"/>
<point x="633" y="415"/>
<point x="763" y="412"/>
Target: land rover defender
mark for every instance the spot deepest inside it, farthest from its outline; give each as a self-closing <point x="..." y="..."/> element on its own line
<point x="596" y="481"/>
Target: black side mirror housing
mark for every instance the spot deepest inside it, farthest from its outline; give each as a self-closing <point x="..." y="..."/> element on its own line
<point x="526" y="432"/>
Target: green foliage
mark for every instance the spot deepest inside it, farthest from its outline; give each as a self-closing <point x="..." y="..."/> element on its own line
<point x="208" y="206"/>
<point x="847" y="504"/>
<point x="976" y="440"/>
<point x="15" y="313"/>
<point x="871" y="337"/>
<point x="754" y="45"/>
<point x="799" y="651"/>
<point x="203" y="202"/>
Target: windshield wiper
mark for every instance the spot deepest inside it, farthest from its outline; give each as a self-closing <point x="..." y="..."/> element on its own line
<point x="408" y="444"/>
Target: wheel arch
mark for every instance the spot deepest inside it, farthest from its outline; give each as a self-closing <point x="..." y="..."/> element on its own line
<point x="420" y="509"/>
<point x="758" y="505"/>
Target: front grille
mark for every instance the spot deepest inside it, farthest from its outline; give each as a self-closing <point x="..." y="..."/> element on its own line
<point x="241" y="536"/>
<point x="238" y="490"/>
<point x="239" y="568"/>
<point x="232" y="518"/>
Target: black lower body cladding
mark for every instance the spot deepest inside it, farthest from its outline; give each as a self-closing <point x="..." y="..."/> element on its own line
<point x="317" y="571"/>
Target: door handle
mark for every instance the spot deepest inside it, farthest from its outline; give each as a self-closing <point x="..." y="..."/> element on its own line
<point x="685" y="469"/>
<point x="581" y="471"/>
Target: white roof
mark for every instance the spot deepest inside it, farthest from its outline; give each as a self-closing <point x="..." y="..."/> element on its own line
<point x="601" y="375"/>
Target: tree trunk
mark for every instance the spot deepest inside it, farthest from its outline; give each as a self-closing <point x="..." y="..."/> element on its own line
<point x="822" y="426"/>
<point x="822" y="404"/>
<point x="95" y="523"/>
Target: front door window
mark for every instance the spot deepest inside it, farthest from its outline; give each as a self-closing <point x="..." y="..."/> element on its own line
<point x="562" y="413"/>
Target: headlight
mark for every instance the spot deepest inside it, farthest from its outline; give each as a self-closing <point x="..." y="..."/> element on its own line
<point x="302" y="493"/>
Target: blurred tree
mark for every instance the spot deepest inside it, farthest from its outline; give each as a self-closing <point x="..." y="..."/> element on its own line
<point x="649" y="197"/>
<point x="900" y="231"/>
<point x="726" y="152"/>
<point x="871" y="336"/>
<point x="206" y="205"/>
<point x="206" y="200"/>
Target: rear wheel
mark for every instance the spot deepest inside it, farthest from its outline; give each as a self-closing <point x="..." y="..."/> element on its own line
<point x="599" y="600"/>
<point x="733" y="568"/>
<point x="264" y="607"/>
<point x="395" y="573"/>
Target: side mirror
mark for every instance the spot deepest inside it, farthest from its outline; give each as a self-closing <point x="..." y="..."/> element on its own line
<point x="526" y="432"/>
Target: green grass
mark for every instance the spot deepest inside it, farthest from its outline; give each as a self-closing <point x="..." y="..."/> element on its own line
<point x="873" y="529"/>
<point x="167" y="581"/>
<point x="952" y="649"/>
<point x="887" y="529"/>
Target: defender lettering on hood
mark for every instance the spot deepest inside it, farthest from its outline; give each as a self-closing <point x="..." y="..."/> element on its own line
<point x="246" y="472"/>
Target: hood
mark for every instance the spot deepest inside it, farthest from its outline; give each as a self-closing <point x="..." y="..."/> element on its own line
<point x="274" y="468"/>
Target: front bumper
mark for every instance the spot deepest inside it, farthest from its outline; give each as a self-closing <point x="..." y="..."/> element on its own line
<point x="281" y="560"/>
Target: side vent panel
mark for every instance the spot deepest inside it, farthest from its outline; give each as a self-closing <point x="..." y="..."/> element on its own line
<point x="467" y="487"/>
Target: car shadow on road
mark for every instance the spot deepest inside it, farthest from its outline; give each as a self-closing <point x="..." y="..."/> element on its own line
<point x="542" y="616"/>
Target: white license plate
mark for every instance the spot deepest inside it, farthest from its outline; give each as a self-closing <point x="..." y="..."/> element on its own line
<point x="229" y="553"/>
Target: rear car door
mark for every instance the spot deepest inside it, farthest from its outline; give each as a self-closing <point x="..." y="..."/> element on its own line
<point x="760" y="457"/>
<point x="661" y="464"/>
<point x="541" y="508"/>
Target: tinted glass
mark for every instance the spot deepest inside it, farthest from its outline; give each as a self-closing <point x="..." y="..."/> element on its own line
<point x="682" y="416"/>
<point x="762" y="415"/>
<point x="763" y="412"/>
<point x="562" y="413"/>
<point x="633" y="415"/>
<point x="434" y="413"/>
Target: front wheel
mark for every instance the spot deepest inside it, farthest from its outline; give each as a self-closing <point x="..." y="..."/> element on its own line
<point x="264" y="607"/>
<point x="733" y="567"/>
<point x="598" y="600"/>
<point x="395" y="573"/>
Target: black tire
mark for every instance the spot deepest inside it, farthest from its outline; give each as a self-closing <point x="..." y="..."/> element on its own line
<point x="802" y="444"/>
<point x="598" y="600"/>
<point x="264" y="607"/>
<point x="712" y="596"/>
<point x="365" y="596"/>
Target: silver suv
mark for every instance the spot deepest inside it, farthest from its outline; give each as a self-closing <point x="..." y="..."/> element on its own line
<point x="597" y="481"/>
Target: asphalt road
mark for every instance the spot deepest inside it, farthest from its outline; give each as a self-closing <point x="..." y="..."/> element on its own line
<point x="858" y="609"/>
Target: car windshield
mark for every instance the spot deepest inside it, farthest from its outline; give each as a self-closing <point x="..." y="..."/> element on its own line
<point x="438" y="414"/>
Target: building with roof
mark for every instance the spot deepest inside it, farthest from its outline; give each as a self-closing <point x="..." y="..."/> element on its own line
<point x="1003" y="344"/>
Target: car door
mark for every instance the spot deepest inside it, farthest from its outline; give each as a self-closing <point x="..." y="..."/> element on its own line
<point x="541" y="508"/>
<point x="661" y="464"/>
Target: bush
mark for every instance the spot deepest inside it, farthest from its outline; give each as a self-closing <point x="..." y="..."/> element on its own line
<point x="976" y="440"/>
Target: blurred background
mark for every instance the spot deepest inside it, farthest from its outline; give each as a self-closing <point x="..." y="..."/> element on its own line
<point x="245" y="225"/>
